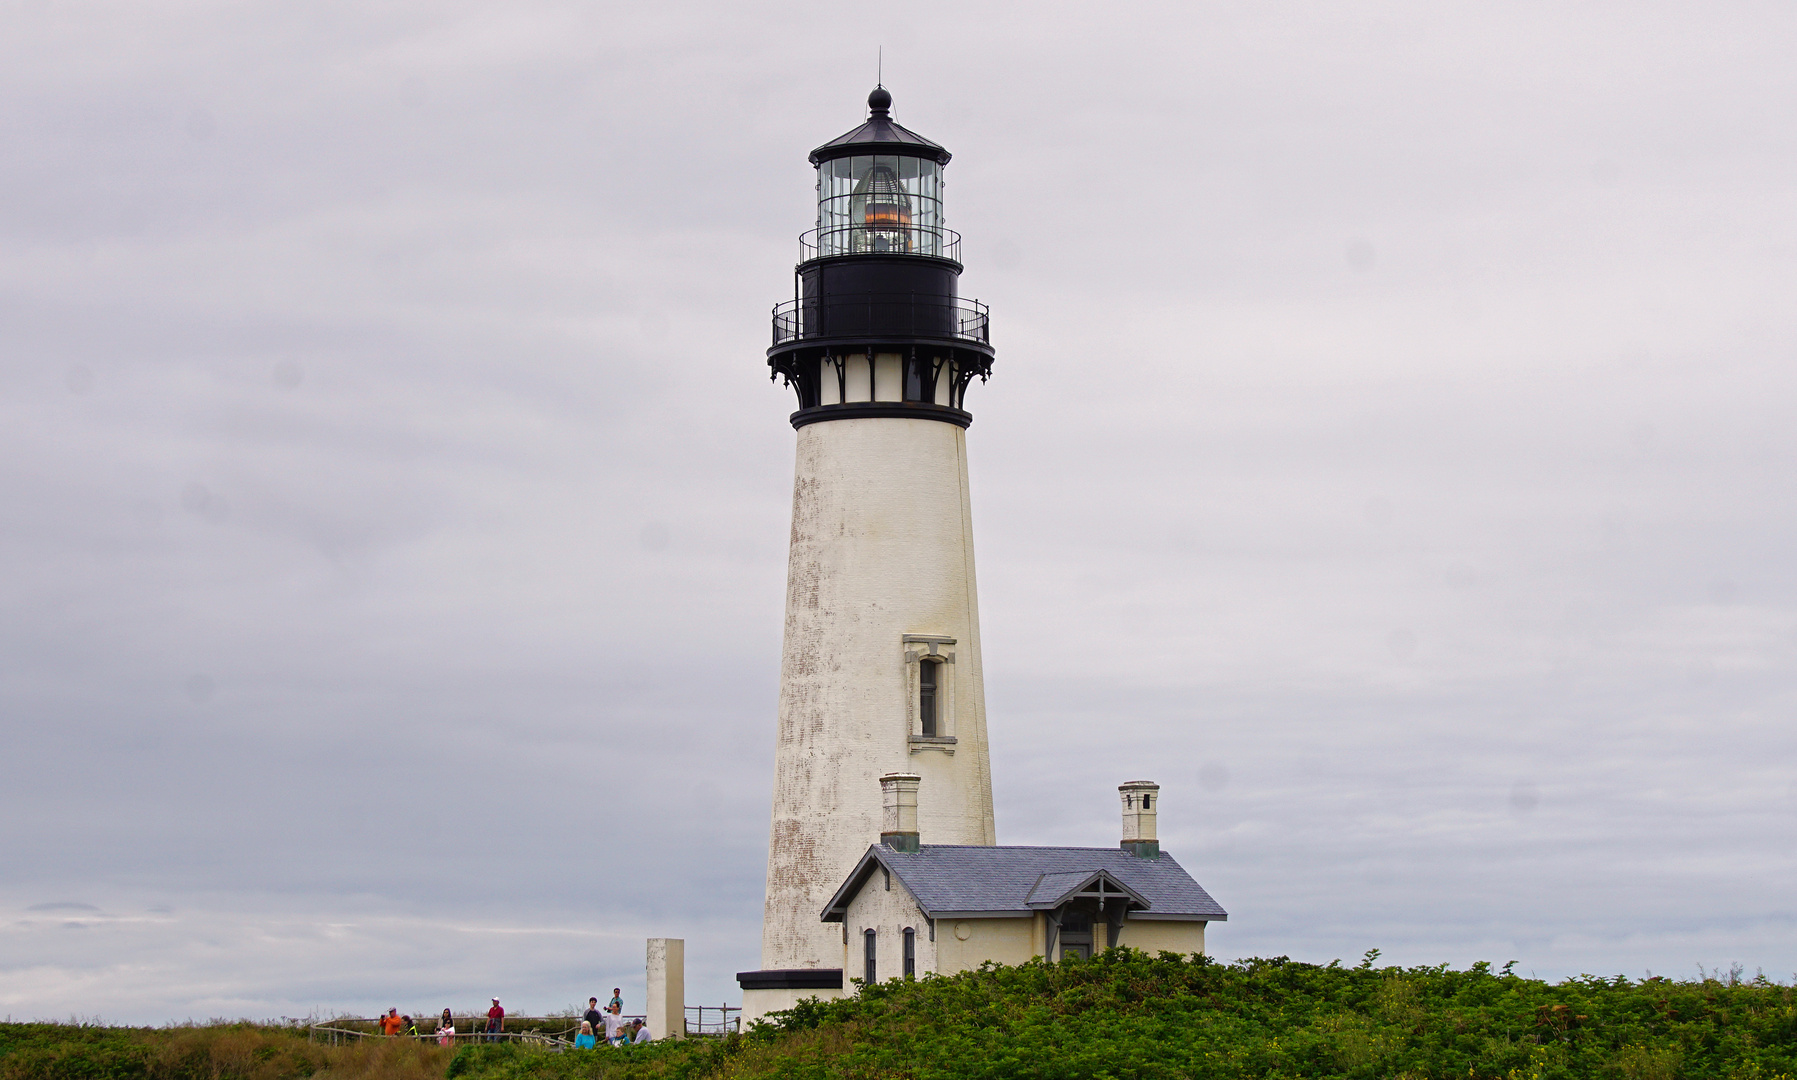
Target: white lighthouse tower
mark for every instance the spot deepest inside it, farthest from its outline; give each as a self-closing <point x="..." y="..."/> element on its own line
<point x="880" y="672"/>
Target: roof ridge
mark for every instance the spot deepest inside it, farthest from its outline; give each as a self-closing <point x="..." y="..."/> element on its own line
<point x="1027" y="847"/>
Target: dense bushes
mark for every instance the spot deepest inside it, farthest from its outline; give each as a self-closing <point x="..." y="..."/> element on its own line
<point x="693" y="1058"/>
<point x="1121" y="1014"/>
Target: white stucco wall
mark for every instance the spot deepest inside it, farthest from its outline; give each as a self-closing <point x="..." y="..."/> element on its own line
<point x="887" y="913"/>
<point x="1161" y="935"/>
<point x="882" y="546"/>
<point x="758" y="1003"/>
<point x="1006" y="941"/>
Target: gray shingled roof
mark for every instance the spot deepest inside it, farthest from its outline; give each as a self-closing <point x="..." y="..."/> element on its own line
<point x="1051" y="889"/>
<point x="950" y="879"/>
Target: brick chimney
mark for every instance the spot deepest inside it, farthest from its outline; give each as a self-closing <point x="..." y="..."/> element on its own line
<point x="898" y="804"/>
<point x="1141" y="800"/>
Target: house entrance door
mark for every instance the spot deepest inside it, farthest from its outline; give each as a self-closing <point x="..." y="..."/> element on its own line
<point x="1076" y="934"/>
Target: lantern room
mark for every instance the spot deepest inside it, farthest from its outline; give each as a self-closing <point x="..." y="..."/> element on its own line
<point x="879" y="190"/>
<point x="876" y="325"/>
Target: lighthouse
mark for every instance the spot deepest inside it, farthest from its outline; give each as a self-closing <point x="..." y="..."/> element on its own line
<point x="880" y="671"/>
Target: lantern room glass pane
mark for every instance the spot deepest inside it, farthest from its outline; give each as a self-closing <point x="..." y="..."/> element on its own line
<point x="879" y="204"/>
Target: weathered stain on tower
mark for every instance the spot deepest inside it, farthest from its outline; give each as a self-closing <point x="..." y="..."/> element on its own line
<point x="880" y="671"/>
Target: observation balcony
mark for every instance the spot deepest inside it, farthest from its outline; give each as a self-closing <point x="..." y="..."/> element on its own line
<point x="884" y="315"/>
<point x="877" y="238"/>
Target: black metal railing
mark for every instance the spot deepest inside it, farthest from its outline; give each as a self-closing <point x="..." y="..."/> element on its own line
<point x="551" y="1031"/>
<point x="882" y="314"/>
<point x="880" y="239"/>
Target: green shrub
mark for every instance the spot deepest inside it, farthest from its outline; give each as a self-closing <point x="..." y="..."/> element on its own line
<point x="1119" y="1015"/>
<point x="1125" y="1014"/>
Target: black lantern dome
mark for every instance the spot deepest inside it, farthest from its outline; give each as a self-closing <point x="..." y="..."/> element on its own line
<point x="876" y="326"/>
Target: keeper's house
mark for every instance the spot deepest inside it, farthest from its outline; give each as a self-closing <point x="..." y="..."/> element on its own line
<point x="912" y="909"/>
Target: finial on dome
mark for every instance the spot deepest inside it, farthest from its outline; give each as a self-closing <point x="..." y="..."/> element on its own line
<point x="880" y="102"/>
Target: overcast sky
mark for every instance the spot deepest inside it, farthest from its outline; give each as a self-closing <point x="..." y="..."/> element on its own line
<point x="1390" y="451"/>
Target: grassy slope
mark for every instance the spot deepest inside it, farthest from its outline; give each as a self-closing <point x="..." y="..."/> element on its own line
<point x="214" y="1052"/>
<point x="1119" y="1015"/>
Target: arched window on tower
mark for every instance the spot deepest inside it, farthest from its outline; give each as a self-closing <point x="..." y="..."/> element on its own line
<point x="927" y="685"/>
<point x="930" y="692"/>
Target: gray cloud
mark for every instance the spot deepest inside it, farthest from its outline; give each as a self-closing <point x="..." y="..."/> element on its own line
<point x="1389" y="452"/>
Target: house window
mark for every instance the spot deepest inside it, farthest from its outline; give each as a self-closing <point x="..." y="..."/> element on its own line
<point x="910" y="953"/>
<point x="927" y="684"/>
<point x="870" y="942"/>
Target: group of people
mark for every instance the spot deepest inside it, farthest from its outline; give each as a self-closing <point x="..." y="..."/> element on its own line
<point x="393" y="1024"/>
<point x="618" y="1030"/>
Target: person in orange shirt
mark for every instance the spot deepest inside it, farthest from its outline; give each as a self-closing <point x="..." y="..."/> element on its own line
<point x="391" y="1023"/>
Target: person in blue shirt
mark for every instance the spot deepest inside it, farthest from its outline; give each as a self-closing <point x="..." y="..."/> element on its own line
<point x="585" y="1040"/>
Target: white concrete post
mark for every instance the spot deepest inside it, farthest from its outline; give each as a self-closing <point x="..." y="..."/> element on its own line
<point x="1141" y="801"/>
<point x="666" y="977"/>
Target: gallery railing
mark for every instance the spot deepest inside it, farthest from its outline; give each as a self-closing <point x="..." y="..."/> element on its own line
<point x="880" y="239"/>
<point x="882" y="314"/>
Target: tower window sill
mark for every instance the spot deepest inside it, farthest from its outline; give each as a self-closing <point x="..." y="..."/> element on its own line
<point x="945" y="743"/>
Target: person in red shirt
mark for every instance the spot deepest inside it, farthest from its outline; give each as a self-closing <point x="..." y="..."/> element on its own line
<point x="495" y="1020"/>
<point x="391" y="1023"/>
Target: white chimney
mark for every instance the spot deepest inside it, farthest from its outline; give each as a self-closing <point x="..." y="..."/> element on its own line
<point x="1141" y="801"/>
<point x="898" y="805"/>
